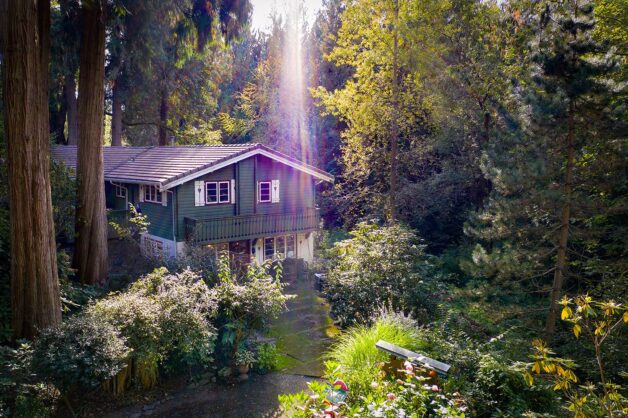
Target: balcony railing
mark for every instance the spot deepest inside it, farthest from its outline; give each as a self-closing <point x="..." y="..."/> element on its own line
<point x="204" y="231"/>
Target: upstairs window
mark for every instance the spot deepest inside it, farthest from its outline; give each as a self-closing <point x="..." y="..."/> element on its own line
<point x="152" y="194"/>
<point x="211" y="195"/>
<point x="264" y="192"/>
<point x="223" y="192"/>
<point x="120" y="191"/>
<point x="217" y="192"/>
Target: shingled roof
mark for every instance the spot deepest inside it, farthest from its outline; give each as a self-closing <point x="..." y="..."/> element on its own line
<point x="173" y="165"/>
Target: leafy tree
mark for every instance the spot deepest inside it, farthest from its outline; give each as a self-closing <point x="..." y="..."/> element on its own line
<point x="596" y="321"/>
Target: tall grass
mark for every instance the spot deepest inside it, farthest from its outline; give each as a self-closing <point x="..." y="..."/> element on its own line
<point x="354" y="357"/>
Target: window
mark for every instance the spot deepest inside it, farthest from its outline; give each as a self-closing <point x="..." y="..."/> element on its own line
<point x="217" y="192"/>
<point x="269" y="248"/>
<point x="224" y="187"/>
<point x="211" y="193"/>
<point x="218" y="250"/>
<point x="263" y="191"/>
<point x="280" y="247"/>
<point x="290" y="246"/>
<point x="120" y="191"/>
<point x="152" y="194"/>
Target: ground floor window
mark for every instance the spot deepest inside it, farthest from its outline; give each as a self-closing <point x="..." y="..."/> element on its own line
<point x="119" y="190"/>
<point x="218" y="250"/>
<point x="283" y="246"/>
<point x="269" y="248"/>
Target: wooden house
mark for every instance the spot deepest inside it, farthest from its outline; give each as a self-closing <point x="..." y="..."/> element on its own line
<point x="247" y="199"/>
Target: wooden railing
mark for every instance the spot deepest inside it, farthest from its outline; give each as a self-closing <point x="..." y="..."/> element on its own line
<point x="233" y="228"/>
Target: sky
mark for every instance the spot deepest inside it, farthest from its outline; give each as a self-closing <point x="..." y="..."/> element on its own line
<point x="262" y="9"/>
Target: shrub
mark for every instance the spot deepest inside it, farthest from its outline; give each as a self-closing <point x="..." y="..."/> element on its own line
<point x="354" y="357"/>
<point x="378" y="266"/>
<point x="163" y="317"/>
<point x="267" y="357"/>
<point x="385" y="396"/>
<point x="22" y="392"/>
<point x="82" y="352"/>
<point x="245" y="304"/>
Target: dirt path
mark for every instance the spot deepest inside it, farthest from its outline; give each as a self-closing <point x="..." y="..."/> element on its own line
<point x="302" y="335"/>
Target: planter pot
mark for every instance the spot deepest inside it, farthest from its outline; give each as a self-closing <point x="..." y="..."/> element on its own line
<point x="243" y="368"/>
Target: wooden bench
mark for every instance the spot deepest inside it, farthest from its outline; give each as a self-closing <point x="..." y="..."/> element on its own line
<point x="415" y="358"/>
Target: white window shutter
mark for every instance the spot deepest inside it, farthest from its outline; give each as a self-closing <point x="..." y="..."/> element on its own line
<point x="233" y="194"/>
<point x="164" y="198"/>
<point x="141" y="192"/>
<point x="199" y="193"/>
<point x="275" y="191"/>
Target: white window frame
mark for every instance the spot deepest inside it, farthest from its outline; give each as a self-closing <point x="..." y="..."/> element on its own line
<point x="264" y="248"/>
<point x="119" y="191"/>
<point x="207" y="201"/>
<point x="152" y="194"/>
<point x="219" y="199"/>
<point x="294" y="246"/>
<point x="259" y="191"/>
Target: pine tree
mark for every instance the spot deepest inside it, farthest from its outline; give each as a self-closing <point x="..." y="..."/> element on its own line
<point x="549" y="194"/>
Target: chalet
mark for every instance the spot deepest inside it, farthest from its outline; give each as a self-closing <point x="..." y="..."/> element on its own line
<point x="247" y="199"/>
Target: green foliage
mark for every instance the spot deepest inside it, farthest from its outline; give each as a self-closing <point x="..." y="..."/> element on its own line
<point x="82" y="352"/>
<point x="245" y="303"/>
<point x="244" y="358"/>
<point x="163" y="317"/>
<point x="379" y="267"/>
<point x="267" y="357"/>
<point x="387" y="397"/>
<point x="354" y="357"/>
<point x="132" y="226"/>
<point x="595" y="321"/>
<point x="22" y="392"/>
<point x="63" y="187"/>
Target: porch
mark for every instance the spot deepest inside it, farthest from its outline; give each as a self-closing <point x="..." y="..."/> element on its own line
<point x="213" y="230"/>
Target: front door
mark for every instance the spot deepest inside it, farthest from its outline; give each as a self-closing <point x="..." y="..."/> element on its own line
<point x="240" y="253"/>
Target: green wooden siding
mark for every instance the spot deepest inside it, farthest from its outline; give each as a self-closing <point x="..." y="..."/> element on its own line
<point x="296" y="193"/>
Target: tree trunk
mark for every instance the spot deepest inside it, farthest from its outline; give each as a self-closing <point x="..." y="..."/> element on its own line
<point x="394" y="131"/>
<point x="116" y="118"/>
<point x="163" y="118"/>
<point x="560" y="270"/>
<point x="90" y="254"/>
<point x="69" y="91"/>
<point x="57" y="120"/>
<point x="35" y="301"/>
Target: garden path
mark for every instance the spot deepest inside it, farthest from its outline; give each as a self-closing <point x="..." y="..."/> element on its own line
<point x="302" y="334"/>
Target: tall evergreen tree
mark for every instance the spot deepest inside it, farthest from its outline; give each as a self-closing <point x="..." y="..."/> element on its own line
<point x="90" y="251"/>
<point x="35" y="300"/>
<point x="550" y="190"/>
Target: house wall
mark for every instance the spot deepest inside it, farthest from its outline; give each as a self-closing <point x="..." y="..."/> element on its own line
<point x="296" y="191"/>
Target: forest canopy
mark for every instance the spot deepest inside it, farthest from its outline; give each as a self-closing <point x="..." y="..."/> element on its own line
<point x="480" y="162"/>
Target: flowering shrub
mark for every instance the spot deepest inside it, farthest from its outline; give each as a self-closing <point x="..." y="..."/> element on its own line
<point x="377" y="267"/>
<point x="410" y="395"/>
<point x="163" y="317"/>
